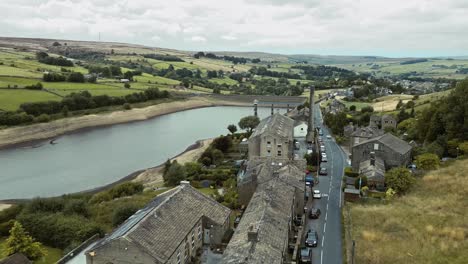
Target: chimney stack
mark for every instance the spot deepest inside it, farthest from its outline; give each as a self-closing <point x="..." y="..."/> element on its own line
<point x="372" y="158"/>
<point x="252" y="234"/>
<point x="255" y="107"/>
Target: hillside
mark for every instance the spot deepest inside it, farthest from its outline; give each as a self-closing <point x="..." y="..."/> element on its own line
<point x="428" y="225"/>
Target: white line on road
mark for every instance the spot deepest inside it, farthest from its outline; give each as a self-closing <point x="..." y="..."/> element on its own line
<point x="326" y="215"/>
<point x="324" y="227"/>
<point x="321" y="256"/>
<point x="327" y="207"/>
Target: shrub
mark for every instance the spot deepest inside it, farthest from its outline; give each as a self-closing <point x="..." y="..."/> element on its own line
<point x="127" y="106"/>
<point x="122" y="213"/>
<point x="44" y="118"/>
<point x="37" y="86"/>
<point x="427" y="161"/>
<point x="348" y="171"/>
<point x="399" y="179"/>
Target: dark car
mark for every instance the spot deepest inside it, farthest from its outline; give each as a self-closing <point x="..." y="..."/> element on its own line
<point x="306" y="255"/>
<point x="323" y="171"/>
<point x="311" y="238"/>
<point x="314" y="213"/>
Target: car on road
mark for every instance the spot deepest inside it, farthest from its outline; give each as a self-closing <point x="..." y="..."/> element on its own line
<point x="306" y="255"/>
<point x="324" y="159"/>
<point x="320" y="139"/>
<point x="328" y="136"/>
<point x="323" y="171"/>
<point x="311" y="238"/>
<point x="317" y="194"/>
<point x="314" y="213"/>
<point x="309" y="180"/>
<point x="322" y="149"/>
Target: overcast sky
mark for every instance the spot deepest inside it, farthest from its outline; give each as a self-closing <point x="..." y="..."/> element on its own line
<point x="341" y="27"/>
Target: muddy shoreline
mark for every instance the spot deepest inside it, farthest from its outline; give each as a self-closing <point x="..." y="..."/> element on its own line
<point x="36" y="135"/>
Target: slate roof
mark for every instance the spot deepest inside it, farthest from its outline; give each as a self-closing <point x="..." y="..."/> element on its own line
<point x="16" y="258"/>
<point x="162" y="225"/>
<point x="396" y="144"/>
<point x="276" y="124"/>
<point x="269" y="214"/>
<point x="367" y="132"/>
<point x="373" y="172"/>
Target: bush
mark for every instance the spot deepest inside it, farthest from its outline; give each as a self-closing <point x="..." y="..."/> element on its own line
<point x="76" y="206"/>
<point x="76" y="77"/>
<point x="122" y="213"/>
<point x="399" y="179"/>
<point x="127" y="106"/>
<point x="348" y="171"/>
<point x="37" y="86"/>
<point x="59" y="230"/>
<point x="427" y="161"/>
<point x="44" y="118"/>
<point x="121" y="190"/>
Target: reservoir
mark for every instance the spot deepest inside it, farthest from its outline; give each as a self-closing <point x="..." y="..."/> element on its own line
<point x="93" y="158"/>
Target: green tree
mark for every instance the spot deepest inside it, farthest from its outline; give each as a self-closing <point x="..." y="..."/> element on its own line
<point x="232" y="128"/>
<point x="217" y="156"/>
<point x="122" y="213"/>
<point x="65" y="111"/>
<point x="352" y="108"/>
<point x="427" y="161"/>
<point x="127" y="85"/>
<point x="175" y="174"/>
<point x="249" y="123"/>
<point x="20" y="241"/>
<point x="399" y="179"/>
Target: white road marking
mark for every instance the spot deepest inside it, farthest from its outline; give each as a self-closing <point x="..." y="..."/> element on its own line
<point x="321" y="256"/>
<point x="324" y="228"/>
<point x="326" y="216"/>
<point x="327" y="207"/>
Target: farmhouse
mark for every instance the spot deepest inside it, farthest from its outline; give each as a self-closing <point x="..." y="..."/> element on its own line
<point x="392" y="150"/>
<point x="170" y="229"/>
<point x="382" y="122"/>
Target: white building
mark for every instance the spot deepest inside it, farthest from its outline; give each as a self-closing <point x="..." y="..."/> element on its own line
<point x="300" y="129"/>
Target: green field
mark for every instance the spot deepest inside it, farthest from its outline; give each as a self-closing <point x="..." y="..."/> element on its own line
<point x="11" y="99"/>
<point x="52" y="254"/>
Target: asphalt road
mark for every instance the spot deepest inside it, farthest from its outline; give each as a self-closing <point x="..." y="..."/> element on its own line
<point x="328" y="226"/>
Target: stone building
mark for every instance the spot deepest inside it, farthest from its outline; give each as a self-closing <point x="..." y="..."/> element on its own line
<point x="382" y="122"/>
<point x="17" y="258"/>
<point x="374" y="170"/>
<point x="266" y="228"/>
<point x="391" y="149"/>
<point x="262" y="170"/>
<point x="361" y="134"/>
<point x="273" y="137"/>
<point x="170" y="229"/>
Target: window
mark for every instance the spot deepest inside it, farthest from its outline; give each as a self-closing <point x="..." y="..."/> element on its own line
<point x="268" y="142"/>
<point x="279" y="153"/>
<point x="376" y="146"/>
<point x="279" y="145"/>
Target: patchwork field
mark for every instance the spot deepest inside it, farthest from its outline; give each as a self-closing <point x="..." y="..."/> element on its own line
<point x="433" y="68"/>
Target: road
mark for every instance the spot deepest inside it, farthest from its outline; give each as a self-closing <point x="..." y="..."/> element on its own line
<point x="328" y="226"/>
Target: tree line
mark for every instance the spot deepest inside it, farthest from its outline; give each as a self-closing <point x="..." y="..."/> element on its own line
<point x="235" y="60"/>
<point x="43" y="57"/>
<point x="165" y="57"/>
<point x="40" y="111"/>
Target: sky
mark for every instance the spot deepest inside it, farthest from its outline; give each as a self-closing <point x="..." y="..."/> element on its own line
<point x="392" y="28"/>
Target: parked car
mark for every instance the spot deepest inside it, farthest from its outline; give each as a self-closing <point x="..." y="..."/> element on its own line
<point x="324" y="159"/>
<point x="311" y="238"/>
<point x="306" y="255"/>
<point x="329" y="136"/>
<point x="317" y="194"/>
<point x="323" y="171"/>
<point x="237" y="221"/>
<point x="298" y="220"/>
<point x="320" y="139"/>
<point x="306" y="195"/>
<point x="309" y="180"/>
<point x="314" y="213"/>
